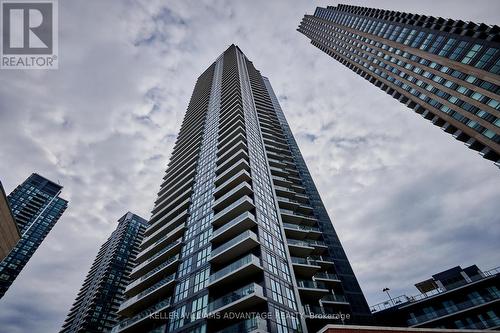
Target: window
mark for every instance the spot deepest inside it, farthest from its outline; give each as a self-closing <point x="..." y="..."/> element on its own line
<point x="181" y="290"/>
<point x="447" y="47"/>
<point x="458" y="50"/>
<point x="198" y="309"/>
<point x="487" y="56"/>
<point x="471" y="54"/>
<point x="201" y="280"/>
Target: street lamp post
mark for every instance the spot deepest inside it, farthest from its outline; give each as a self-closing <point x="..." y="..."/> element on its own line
<point x="387" y="291"/>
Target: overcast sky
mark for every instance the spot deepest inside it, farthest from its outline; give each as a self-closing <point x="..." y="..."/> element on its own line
<point x="406" y="199"/>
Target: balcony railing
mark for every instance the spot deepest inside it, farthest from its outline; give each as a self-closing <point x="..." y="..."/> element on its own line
<point x="453" y="308"/>
<point x="309" y="243"/>
<point x="334" y="298"/>
<point x="234" y="266"/>
<point x="233" y="241"/>
<point x="157" y="269"/>
<point x="311" y="284"/>
<point x="291" y="212"/>
<point x="232" y="223"/>
<point x="234" y="296"/>
<point x="149" y="290"/>
<point x="300" y="227"/>
<point x="140" y="316"/>
<point x="165" y="249"/>
<point x="304" y="261"/>
<point x="322" y="258"/>
<point x="246" y="326"/>
<point x="326" y="276"/>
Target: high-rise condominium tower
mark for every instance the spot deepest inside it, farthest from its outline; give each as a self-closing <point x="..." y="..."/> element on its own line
<point x="446" y="70"/>
<point x="37" y="207"/>
<point x="238" y="226"/>
<point x="96" y="304"/>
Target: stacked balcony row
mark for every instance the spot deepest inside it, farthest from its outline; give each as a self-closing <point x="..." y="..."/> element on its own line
<point x="318" y="284"/>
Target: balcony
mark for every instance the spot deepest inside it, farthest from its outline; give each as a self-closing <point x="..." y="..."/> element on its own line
<point x="251" y="325"/>
<point x="160" y="243"/>
<point x="155" y="260"/>
<point x="166" y="205"/>
<point x="171" y="215"/>
<point x="278" y="172"/>
<point x="324" y="261"/>
<point x="237" y="246"/>
<point x="243" y="189"/>
<point x="297" y="218"/>
<point x="233" y="170"/>
<point x="236" y="226"/>
<point x="235" y="158"/>
<point x="334" y="299"/>
<point x="152" y="276"/>
<point x="240" y="269"/>
<point x="144" y="298"/>
<point x="164" y="229"/>
<point x="237" y="208"/>
<point x="311" y="288"/>
<point x="293" y="205"/>
<point x="227" y="185"/>
<point x="299" y="248"/>
<point x="241" y="299"/>
<point x="305" y="266"/>
<point x="326" y="277"/>
<point x="133" y="324"/>
<point x="300" y="231"/>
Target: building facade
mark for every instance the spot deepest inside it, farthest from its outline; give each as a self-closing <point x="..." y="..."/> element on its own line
<point x="37" y="207"/>
<point x="445" y="70"/>
<point x="9" y="232"/>
<point x="454" y="299"/>
<point x="239" y="239"/>
<point x="94" y="309"/>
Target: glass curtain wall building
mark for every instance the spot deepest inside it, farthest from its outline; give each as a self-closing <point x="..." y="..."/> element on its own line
<point x="36" y="207"/>
<point x="238" y="227"/>
<point x="94" y="309"/>
<point x="446" y="70"/>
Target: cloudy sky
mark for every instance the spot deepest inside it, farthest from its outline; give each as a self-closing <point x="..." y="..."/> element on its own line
<point x="407" y="199"/>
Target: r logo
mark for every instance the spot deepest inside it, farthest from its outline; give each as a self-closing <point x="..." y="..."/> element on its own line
<point x="27" y="28"/>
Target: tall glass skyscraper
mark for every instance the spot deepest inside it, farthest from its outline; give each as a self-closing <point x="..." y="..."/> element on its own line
<point x="37" y="207"/>
<point x="94" y="309"/>
<point x="238" y="227"/>
<point x="446" y="70"/>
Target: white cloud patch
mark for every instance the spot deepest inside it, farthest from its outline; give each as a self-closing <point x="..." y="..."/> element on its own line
<point x="406" y="199"/>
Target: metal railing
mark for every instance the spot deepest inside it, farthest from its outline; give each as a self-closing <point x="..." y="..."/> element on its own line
<point x="157" y="285"/>
<point x="334" y="298"/>
<point x="234" y="296"/>
<point x="141" y="315"/>
<point x="326" y="275"/>
<point x="234" y="266"/>
<point x="311" y="284"/>
<point x="148" y="274"/>
<point x="228" y="244"/>
<point x="233" y="222"/>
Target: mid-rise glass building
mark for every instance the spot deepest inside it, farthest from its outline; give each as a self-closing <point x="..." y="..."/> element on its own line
<point x="446" y="70"/>
<point x="94" y="309"/>
<point x="239" y="239"/>
<point x="36" y="207"/>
